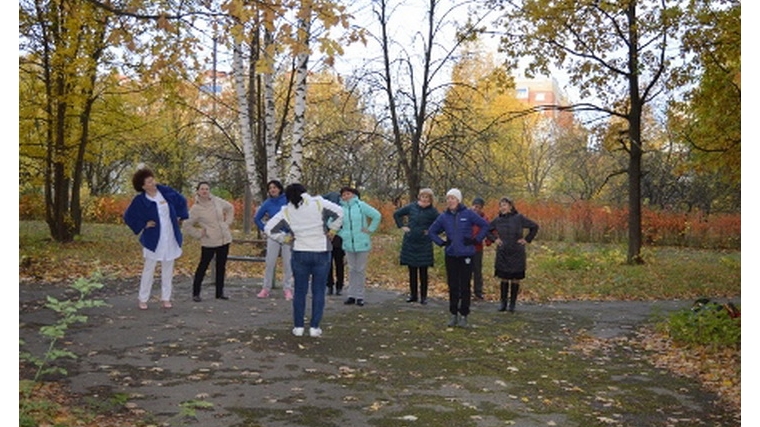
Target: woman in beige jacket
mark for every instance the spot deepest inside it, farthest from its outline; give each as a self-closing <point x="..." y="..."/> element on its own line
<point x="210" y="219"/>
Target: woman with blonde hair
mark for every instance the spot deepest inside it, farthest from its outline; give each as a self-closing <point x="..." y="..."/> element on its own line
<point x="417" y="248"/>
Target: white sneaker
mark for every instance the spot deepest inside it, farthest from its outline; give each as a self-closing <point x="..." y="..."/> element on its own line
<point x="315" y="332"/>
<point x="298" y="332"/>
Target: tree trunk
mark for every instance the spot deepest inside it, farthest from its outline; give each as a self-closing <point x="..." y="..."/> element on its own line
<point x="295" y="169"/>
<point x="634" y="136"/>
<point x="244" y="118"/>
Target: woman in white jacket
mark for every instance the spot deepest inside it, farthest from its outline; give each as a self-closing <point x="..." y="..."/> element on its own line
<point x="310" y="222"/>
<point x="210" y="219"/>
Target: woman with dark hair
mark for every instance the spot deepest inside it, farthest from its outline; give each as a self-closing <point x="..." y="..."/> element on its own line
<point x="507" y="231"/>
<point x="267" y="210"/>
<point x="210" y="220"/>
<point x="309" y="223"/>
<point x="360" y="221"/>
<point x="155" y="214"/>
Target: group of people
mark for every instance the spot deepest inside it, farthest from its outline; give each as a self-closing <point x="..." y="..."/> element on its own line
<point x="314" y="234"/>
<point x="466" y="231"/>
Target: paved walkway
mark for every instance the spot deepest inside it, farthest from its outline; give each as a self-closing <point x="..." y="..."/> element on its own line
<point x="240" y="357"/>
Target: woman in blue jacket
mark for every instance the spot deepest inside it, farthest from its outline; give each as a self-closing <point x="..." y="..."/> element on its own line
<point x="457" y="222"/>
<point x="267" y="210"/>
<point x="360" y="220"/>
<point x="155" y="215"/>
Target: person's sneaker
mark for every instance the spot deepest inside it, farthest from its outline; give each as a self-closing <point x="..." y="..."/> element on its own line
<point x="350" y="301"/>
<point x="288" y="294"/>
<point x="360" y="302"/>
<point x="298" y="332"/>
<point x="453" y="320"/>
<point x="315" y="332"/>
<point x="263" y="294"/>
<point x="462" y="322"/>
<point x="196" y="298"/>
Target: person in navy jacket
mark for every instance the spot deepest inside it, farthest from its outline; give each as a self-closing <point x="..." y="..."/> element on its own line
<point x="457" y="221"/>
<point x="155" y="214"/>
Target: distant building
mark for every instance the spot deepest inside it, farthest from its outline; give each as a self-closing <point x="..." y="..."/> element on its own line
<point x="543" y="91"/>
<point x="223" y="81"/>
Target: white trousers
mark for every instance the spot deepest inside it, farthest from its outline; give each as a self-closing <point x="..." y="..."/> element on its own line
<point x="146" y="282"/>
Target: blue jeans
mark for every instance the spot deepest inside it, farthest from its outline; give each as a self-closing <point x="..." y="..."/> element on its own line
<point x="309" y="267"/>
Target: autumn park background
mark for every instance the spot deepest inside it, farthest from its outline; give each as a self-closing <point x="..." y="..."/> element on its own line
<point x="615" y="126"/>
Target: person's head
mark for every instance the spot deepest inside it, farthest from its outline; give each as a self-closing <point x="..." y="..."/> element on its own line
<point x="477" y="204"/>
<point x="425" y="197"/>
<point x="203" y="190"/>
<point x="143" y="178"/>
<point x="506" y="205"/>
<point x="293" y="194"/>
<point x="346" y="193"/>
<point x="274" y="188"/>
<point x="333" y="196"/>
<point x="453" y="198"/>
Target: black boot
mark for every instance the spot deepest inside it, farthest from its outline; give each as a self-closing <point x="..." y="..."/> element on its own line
<point x="338" y="288"/>
<point x="329" y="289"/>
<point x="412" y="285"/>
<point x="515" y="289"/>
<point x="503" y="305"/>
<point x="423" y="293"/>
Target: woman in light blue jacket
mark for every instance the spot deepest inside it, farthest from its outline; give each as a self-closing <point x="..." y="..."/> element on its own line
<point x="360" y="220"/>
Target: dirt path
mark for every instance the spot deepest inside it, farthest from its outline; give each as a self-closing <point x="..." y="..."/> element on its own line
<point x="235" y="363"/>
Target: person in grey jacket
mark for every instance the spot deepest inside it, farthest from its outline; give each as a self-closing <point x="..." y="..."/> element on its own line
<point x="210" y="220"/>
<point x="457" y="222"/>
<point x="417" y="248"/>
<point x="507" y="231"/>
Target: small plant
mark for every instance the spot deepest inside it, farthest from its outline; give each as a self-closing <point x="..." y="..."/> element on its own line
<point x="70" y="313"/>
<point x="705" y="323"/>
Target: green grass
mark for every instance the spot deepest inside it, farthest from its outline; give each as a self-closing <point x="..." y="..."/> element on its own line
<point x="556" y="270"/>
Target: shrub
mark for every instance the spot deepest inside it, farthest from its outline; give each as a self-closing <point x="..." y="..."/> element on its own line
<point x="706" y="323"/>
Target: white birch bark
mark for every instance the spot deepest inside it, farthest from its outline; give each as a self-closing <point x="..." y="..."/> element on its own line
<point x="274" y="169"/>
<point x="244" y="119"/>
<point x="299" y="105"/>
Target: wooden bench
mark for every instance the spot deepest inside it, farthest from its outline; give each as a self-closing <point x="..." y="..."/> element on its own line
<point x="245" y="258"/>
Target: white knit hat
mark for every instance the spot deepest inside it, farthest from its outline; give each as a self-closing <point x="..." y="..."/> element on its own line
<point x="456" y="193"/>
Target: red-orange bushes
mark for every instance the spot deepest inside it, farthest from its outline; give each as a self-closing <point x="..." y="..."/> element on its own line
<point x="106" y="209"/>
<point x="31" y="207"/>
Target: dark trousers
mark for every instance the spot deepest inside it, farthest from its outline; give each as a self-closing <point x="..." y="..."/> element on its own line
<point x="337" y="266"/>
<point x="458" y="276"/>
<point x="414" y="283"/>
<point x="477" y="274"/>
<point x="207" y="253"/>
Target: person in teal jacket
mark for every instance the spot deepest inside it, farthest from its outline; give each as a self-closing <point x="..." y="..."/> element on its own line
<point x="360" y="220"/>
<point x="417" y="248"/>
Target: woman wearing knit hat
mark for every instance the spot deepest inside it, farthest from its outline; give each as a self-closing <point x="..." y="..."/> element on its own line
<point x="457" y="222"/>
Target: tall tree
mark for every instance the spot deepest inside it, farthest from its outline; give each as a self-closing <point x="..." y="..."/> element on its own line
<point x="617" y="53"/>
<point x="413" y="76"/>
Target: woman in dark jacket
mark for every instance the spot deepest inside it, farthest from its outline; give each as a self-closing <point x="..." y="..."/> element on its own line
<point x="458" y="222"/>
<point x="417" y="248"/>
<point x="507" y="232"/>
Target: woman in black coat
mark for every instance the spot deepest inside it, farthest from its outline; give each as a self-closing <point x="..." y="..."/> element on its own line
<point x="417" y="248"/>
<point x="507" y="232"/>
